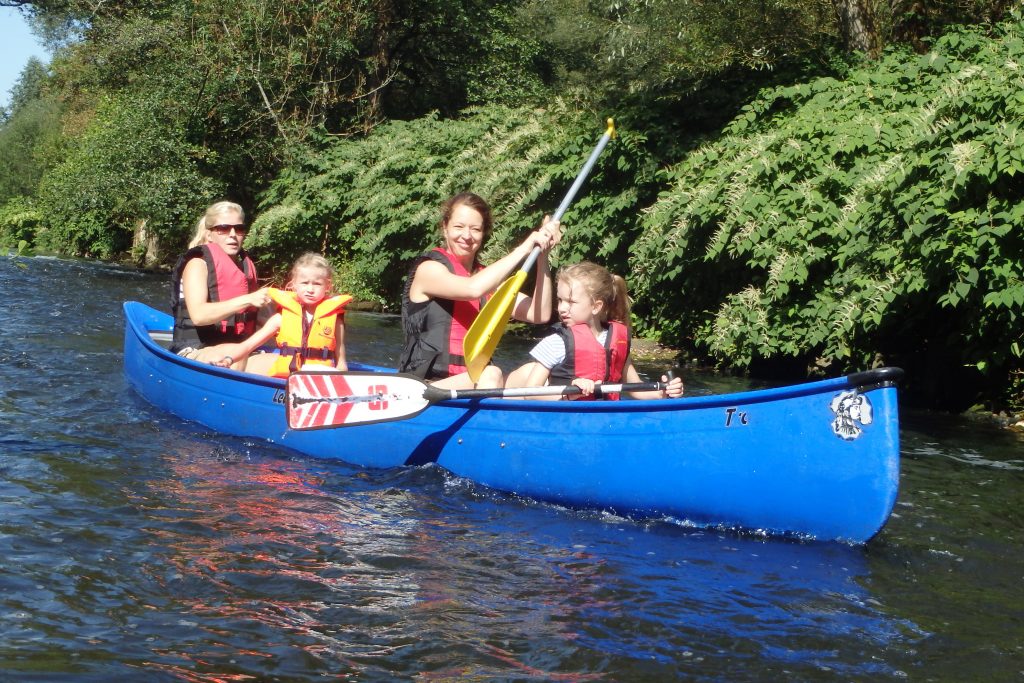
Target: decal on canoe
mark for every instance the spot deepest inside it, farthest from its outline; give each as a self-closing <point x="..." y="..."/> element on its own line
<point x="735" y="416"/>
<point x="852" y="410"/>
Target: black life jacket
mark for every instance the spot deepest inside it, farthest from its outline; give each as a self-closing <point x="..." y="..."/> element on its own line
<point x="434" y="329"/>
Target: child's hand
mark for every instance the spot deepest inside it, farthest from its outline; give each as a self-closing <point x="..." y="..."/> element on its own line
<point x="675" y="387"/>
<point x="585" y="385"/>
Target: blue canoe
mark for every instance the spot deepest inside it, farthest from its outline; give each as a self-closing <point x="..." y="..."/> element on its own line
<point x="815" y="460"/>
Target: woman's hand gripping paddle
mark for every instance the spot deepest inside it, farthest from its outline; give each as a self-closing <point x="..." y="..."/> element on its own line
<point x="328" y="398"/>
<point x="483" y="335"/>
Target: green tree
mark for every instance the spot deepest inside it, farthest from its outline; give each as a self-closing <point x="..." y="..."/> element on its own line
<point x="29" y="86"/>
<point x="29" y="134"/>
<point x="132" y="168"/>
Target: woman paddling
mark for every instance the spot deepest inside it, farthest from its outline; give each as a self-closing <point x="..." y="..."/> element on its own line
<point x="447" y="286"/>
<point x="214" y="295"/>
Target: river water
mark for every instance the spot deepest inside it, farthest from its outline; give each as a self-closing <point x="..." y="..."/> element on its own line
<point x="135" y="546"/>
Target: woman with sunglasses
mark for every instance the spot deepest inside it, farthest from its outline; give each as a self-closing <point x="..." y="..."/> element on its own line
<point x="214" y="295"/>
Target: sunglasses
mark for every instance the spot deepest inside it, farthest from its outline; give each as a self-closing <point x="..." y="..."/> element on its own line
<point x="224" y="229"/>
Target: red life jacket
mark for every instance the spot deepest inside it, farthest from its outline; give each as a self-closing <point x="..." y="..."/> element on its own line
<point x="585" y="357"/>
<point x="434" y="329"/>
<point x="226" y="278"/>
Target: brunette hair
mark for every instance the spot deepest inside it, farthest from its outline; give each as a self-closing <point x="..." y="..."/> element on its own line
<point x="473" y="201"/>
<point x="209" y="218"/>
<point x="600" y="285"/>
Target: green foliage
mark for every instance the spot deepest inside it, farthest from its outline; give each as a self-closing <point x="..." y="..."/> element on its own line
<point x="668" y="47"/>
<point x="373" y="203"/>
<point x="131" y="167"/>
<point x="29" y="133"/>
<point x="837" y="219"/>
<point x="246" y="81"/>
<point x="19" y="221"/>
<point x="511" y="69"/>
<point x="29" y="141"/>
<point x="30" y="84"/>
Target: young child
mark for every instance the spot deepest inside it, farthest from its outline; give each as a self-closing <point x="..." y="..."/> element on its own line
<point x="591" y="345"/>
<point x="309" y="327"/>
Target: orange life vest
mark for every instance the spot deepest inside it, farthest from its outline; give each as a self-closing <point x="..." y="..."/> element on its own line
<point x="301" y="340"/>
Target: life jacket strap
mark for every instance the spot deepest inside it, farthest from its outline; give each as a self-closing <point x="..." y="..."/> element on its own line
<point x="307" y="354"/>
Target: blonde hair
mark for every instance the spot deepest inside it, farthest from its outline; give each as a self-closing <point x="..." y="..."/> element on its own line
<point x="209" y="220"/>
<point x="600" y="285"/>
<point x="311" y="259"/>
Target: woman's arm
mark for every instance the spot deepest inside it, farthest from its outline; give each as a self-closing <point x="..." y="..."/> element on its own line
<point x="201" y="310"/>
<point x="537" y="308"/>
<point x="234" y="352"/>
<point x="433" y="280"/>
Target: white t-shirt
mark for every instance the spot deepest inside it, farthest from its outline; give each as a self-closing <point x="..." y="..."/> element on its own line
<point x="550" y="351"/>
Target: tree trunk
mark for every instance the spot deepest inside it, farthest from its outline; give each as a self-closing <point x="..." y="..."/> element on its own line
<point x="145" y="245"/>
<point x="857" y="26"/>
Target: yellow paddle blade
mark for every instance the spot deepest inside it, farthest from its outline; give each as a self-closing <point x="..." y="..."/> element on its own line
<point x="483" y="335"/>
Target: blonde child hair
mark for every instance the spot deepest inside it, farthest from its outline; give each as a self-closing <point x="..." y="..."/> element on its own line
<point x="208" y="220"/>
<point x="311" y="259"/>
<point x="601" y="285"/>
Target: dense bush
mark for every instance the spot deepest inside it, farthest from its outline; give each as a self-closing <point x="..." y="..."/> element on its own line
<point x="838" y="221"/>
<point x="372" y="203"/>
<point x="19" y="221"/>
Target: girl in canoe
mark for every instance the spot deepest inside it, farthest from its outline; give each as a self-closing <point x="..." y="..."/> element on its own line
<point x="591" y="344"/>
<point x="214" y="295"/>
<point x="308" y="327"/>
<point x="447" y="286"/>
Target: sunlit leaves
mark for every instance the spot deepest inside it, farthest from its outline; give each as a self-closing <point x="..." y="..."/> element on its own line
<point x="837" y="219"/>
<point x="373" y="202"/>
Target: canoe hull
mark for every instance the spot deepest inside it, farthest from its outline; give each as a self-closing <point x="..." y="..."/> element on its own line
<point x="814" y="460"/>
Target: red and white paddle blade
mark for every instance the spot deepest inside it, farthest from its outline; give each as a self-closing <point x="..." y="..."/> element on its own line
<point x="318" y="400"/>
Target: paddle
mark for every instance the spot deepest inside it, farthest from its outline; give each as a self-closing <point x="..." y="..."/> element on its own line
<point x="483" y="335"/>
<point x="326" y="398"/>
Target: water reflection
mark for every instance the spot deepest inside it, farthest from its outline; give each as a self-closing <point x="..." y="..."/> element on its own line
<point x="293" y="566"/>
<point x="256" y="548"/>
